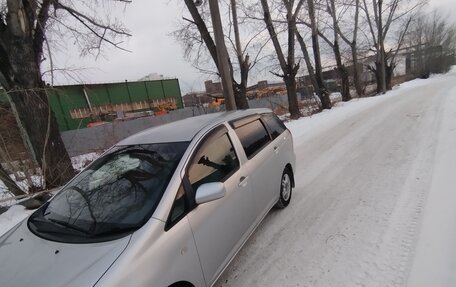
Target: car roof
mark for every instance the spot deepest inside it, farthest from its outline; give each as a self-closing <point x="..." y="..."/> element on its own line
<point x="186" y="129"/>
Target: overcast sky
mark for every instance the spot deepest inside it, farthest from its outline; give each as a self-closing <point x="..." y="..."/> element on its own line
<point x="154" y="50"/>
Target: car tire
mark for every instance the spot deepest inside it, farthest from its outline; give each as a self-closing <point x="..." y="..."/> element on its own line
<point x="286" y="186"/>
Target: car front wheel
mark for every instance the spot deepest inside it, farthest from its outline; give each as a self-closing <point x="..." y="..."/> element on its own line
<point x="285" y="189"/>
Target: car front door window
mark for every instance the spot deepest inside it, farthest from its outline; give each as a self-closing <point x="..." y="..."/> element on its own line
<point x="214" y="161"/>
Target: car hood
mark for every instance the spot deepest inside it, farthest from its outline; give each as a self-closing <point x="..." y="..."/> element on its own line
<point x="28" y="260"/>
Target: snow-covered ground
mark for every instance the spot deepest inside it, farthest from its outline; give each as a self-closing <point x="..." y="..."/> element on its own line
<point x="16" y="213"/>
<point x="374" y="203"/>
<point x="78" y="162"/>
<point x="374" y="197"/>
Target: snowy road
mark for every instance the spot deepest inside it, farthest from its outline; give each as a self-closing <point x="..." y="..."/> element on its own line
<point x="375" y="198"/>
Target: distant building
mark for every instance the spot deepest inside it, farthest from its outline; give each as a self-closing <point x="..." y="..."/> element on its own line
<point x="152" y="77"/>
<point x="213" y="88"/>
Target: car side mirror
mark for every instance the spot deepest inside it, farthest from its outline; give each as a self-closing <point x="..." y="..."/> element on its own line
<point x="209" y="192"/>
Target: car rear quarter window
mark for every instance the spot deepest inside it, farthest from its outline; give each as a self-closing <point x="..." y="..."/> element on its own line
<point x="179" y="209"/>
<point x="274" y="124"/>
<point x="253" y="137"/>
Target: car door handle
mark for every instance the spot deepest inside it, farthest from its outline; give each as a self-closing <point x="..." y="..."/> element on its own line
<point x="276" y="149"/>
<point x="243" y="181"/>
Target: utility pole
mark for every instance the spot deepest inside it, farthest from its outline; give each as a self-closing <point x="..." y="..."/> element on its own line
<point x="222" y="56"/>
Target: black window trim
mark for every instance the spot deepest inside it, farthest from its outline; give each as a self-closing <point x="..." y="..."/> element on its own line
<point x="247" y="120"/>
<point x="268" y="128"/>
<point x="237" y="123"/>
<point x="189" y="191"/>
<point x="189" y="201"/>
<point x="220" y="129"/>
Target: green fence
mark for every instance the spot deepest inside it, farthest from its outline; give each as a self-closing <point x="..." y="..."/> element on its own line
<point x="65" y="100"/>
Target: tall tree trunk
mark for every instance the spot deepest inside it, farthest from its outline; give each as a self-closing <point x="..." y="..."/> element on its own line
<point x="223" y="57"/>
<point x="324" y="94"/>
<point x="33" y="110"/>
<point x="310" y="68"/>
<point x="293" y="105"/>
<point x="378" y="76"/>
<point x="354" y="49"/>
<point x="384" y="80"/>
<point x="21" y="78"/>
<point x="292" y="69"/>
<point x="356" y="78"/>
<point x="341" y="69"/>
<point x="240" y="91"/>
<point x="389" y="76"/>
<point x="288" y="66"/>
<point x="239" y="96"/>
<point x="343" y="74"/>
<point x="381" y="48"/>
<point x="352" y="43"/>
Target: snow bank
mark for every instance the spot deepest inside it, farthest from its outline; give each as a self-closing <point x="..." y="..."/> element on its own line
<point x="435" y="260"/>
<point x="308" y="127"/>
<point x="78" y="162"/>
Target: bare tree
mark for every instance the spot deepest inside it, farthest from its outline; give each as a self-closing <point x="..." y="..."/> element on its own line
<point x="352" y="19"/>
<point x="224" y="64"/>
<point x="24" y="25"/>
<point x="341" y="68"/>
<point x="242" y="58"/>
<point x="288" y="66"/>
<point x="353" y="43"/>
<point x="245" y="49"/>
<point x="334" y="44"/>
<point x="431" y="42"/>
<point x="310" y="68"/>
<point x="197" y="40"/>
<point x="323" y="92"/>
<point x="381" y="17"/>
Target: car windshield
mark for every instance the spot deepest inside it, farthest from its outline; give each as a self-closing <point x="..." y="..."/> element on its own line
<point x="113" y="197"/>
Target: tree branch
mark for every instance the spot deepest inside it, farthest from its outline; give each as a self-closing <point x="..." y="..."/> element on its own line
<point x="277" y="74"/>
<point x="331" y="44"/>
<point x="401" y="39"/>
<point x="273" y="35"/>
<point x="202" y="28"/>
<point x="81" y="17"/>
<point x="369" y="21"/>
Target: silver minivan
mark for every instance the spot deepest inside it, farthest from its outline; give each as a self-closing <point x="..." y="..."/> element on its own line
<point x="169" y="206"/>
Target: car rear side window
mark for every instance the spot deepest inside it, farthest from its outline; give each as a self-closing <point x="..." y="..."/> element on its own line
<point x="253" y="137"/>
<point x="214" y="161"/>
<point x="274" y="124"/>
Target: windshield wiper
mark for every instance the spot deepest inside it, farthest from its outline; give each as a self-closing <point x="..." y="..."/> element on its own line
<point x="119" y="230"/>
<point x="67" y="225"/>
